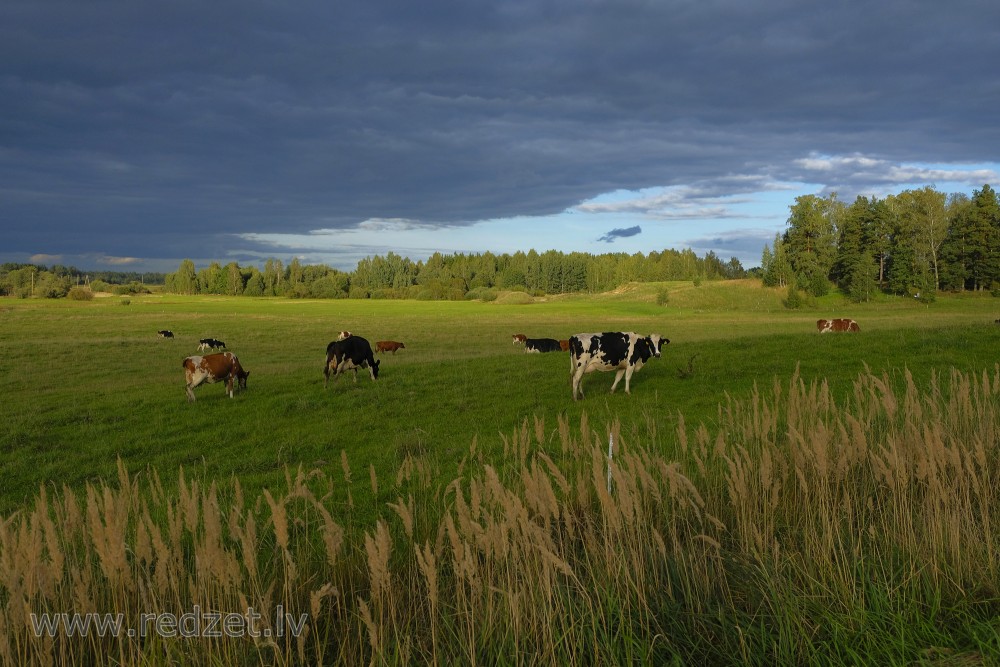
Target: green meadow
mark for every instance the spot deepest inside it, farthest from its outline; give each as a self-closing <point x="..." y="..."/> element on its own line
<point x="85" y="383"/>
<point x="93" y="402"/>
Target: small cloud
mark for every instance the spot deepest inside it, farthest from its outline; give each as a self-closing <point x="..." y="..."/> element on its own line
<point x="620" y="234"/>
<point x="42" y="258"/>
<point x="396" y="225"/>
<point x="118" y="261"/>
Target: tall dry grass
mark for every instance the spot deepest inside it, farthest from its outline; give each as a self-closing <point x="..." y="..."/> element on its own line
<point x="797" y="529"/>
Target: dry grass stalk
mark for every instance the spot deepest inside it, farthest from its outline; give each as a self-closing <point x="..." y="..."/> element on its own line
<point x="802" y="492"/>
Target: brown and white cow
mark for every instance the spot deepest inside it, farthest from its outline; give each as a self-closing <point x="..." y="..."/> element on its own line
<point x="388" y="346"/>
<point x="211" y="368"/>
<point x="624" y="352"/>
<point x="343" y="335"/>
<point x="840" y="324"/>
<point x="519" y="339"/>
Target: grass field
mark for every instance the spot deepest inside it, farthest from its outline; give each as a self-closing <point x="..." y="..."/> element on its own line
<point x="85" y="385"/>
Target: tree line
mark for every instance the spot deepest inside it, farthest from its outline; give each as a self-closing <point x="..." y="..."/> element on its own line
<point x="454" y="276"/>
<point x="915" y="243"/>
<point x="27" y="280"/>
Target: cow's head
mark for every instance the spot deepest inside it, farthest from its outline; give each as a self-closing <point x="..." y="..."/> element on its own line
<point x="241" y="378"/>
<point x="374" y="366"/>
<point x="656" y="343"/>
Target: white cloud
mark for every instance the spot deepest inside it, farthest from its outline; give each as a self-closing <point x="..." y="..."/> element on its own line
<point x="118" y="261"/>
<point x="42" y="258"/>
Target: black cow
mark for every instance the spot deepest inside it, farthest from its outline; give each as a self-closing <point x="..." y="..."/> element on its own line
<point x="165" y="334"/>
<point x="350" y="353"/>
<point x="611" y="351"/>
<point x="541" y="345"/>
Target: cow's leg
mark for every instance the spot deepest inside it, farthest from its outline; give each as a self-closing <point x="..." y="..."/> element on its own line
<point x="192" y="380"/>
<point x="326" y="373"/>
<point x="618" y="377"/>
<point x="229" y="386"/>
<point x="628" y="378"/>
<point x="578" y="383"/>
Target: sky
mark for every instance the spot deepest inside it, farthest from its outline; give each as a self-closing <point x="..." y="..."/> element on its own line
<point x="136" y="134"/>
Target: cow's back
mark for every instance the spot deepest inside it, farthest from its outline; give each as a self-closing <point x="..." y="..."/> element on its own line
<point x="352" y="352"/>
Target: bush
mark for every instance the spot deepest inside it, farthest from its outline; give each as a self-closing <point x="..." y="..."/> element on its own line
<point x="793" y="299"/>
<point x="80" y="293"/>
<point x="818" y="285"/>
<point x="134" y="287"/>
<point x="662" y="296"/>
<point x="514" y="298"/>
<point x="481" y="294"/>
<point x="99" y="286"/>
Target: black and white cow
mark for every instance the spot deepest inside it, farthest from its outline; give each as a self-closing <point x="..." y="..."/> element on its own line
<point x="210" y="344"/>
<point x="353" y="352"/>
<point x="541" y="345"/>
<point x="611" y="351"/>
<point x="165" y="333"/>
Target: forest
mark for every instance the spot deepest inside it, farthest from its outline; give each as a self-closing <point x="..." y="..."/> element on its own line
<point x="915" y="243"/>
<point x="452" y="277"/>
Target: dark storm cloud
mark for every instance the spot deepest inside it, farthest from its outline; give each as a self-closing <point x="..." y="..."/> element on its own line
<point x="616" y="234"/>
<point x="147" y="130"/>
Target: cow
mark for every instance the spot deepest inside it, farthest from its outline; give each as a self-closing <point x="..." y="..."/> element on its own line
<point x="165" y="334"/>
<point x="519" y="339"/>
<point x="211" y="368"/>
<point x="624" y="352"/>
<point x="210" y="344"/>
<point x="353" y="352"/>
<point x="541" y="345"/>
<point x="564" y="346"/>
<point x="388" y="346"/>
<point x="841" y="324"/>
<point x="343" y="335"/>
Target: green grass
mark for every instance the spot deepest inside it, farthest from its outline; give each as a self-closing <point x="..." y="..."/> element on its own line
<point x="87" y="382"/>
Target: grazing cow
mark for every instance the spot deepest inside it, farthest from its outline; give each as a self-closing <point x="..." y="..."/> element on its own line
<point x="611" y="351"/>
<point x="218" y="367"/>
<point x="388" y="346"/>
<point x="165" y="334"/>
<point x="210" y="344"/>
<point x="541" y="345"/>
<point x="519" y="339"/>
<point x="353" y="352"/>
<point x="841" y="324"/>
